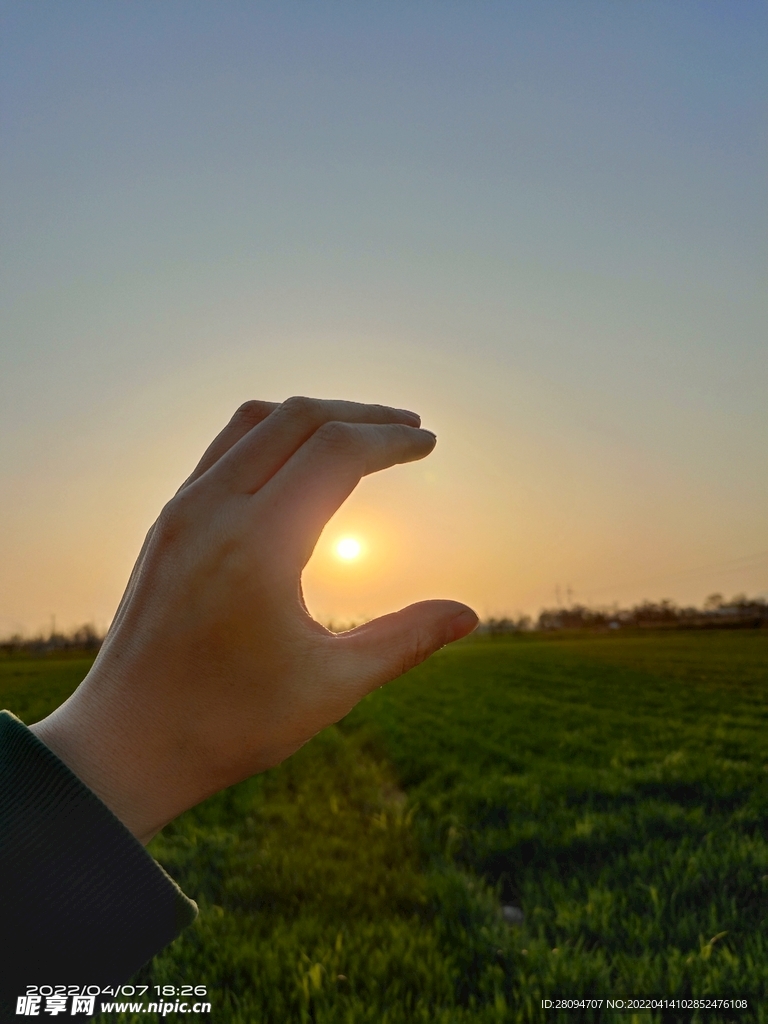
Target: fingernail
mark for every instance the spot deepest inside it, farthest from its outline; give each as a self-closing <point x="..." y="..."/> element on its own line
<point x="411" y="415"/>
<point x="431" y="433"/>
<point x="464" y="623"/>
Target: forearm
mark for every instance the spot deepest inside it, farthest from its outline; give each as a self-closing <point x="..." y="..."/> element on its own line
<point x="80" y="900"/>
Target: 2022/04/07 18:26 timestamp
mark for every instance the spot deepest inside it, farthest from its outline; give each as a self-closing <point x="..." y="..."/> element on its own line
<point x="82" y="999"/>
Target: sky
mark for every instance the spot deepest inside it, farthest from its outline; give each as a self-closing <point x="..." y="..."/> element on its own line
<point x="541" y="225"/>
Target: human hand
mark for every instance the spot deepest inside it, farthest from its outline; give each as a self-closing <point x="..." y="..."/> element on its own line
<point x="213" y="669"/>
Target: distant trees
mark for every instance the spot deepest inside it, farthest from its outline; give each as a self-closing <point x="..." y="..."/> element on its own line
<point x="502" y="627"/>
<point x="84" y="638"/>
<point x="740" y="612"/>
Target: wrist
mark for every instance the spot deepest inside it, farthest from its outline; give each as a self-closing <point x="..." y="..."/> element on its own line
<point x="107" y="763"/>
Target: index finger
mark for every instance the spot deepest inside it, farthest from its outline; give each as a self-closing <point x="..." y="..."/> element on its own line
<point x="300" y="499"/>
<point x="263" y="451"/>
<point x="248" y="416"/>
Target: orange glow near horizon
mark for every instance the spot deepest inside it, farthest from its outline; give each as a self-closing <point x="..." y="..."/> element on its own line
<point x="598" y="395"/>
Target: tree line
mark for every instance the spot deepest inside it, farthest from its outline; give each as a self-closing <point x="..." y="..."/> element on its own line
<point x="84" y="638"/>
<point x="741" y="612"/>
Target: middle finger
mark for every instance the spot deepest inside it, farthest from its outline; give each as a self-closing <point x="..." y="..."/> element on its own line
<point x="257" y="456"/>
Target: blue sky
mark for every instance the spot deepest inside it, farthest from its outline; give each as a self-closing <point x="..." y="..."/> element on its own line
<point x="543" y="225"/>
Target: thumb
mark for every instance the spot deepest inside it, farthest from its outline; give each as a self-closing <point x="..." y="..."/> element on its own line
<point x="385" y="648"/>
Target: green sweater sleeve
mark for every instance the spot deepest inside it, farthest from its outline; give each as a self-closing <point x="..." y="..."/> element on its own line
<point x="81" y="901"/>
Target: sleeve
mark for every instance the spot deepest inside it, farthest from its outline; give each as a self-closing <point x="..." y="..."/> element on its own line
<point x="81" y="900"/>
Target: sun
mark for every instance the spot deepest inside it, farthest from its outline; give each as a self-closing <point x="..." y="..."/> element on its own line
<point x="348" y="548"/>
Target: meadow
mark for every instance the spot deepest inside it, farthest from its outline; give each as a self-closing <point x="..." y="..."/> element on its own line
<point x="612" y="787"/>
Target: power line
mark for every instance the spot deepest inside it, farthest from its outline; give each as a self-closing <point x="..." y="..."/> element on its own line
<point x="729" y="565"/>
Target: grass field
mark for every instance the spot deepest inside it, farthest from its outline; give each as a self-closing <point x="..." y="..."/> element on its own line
<point x="615" y="788"/>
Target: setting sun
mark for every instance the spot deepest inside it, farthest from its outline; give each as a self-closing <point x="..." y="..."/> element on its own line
<point x="348" y="548"/>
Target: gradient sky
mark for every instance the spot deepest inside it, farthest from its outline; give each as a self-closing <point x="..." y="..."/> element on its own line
<point x="540" y="224"/>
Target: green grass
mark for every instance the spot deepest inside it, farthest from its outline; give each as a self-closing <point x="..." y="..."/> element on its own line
<point x="314" y="905"/>
<point x="32" y="687"/>
<point x="615" y="788"/>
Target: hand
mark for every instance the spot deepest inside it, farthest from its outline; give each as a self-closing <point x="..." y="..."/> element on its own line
<point x="213" y="669"/>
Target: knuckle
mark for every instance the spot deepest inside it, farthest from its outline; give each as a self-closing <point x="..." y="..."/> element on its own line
<point x="300" y="407"/>
<point x="174" y="518"/>
<point x="250" y="413"/>
<point x="336" y="437"/>
<point x="421" y="647"/>
<point x="424" y="646"/>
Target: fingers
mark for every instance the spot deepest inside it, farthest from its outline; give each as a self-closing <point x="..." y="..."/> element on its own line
<point x="306" y="492"/>
<point x="248" y="416"/>
<point x="266" y="448"/>
<point x="383" y="649"/>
